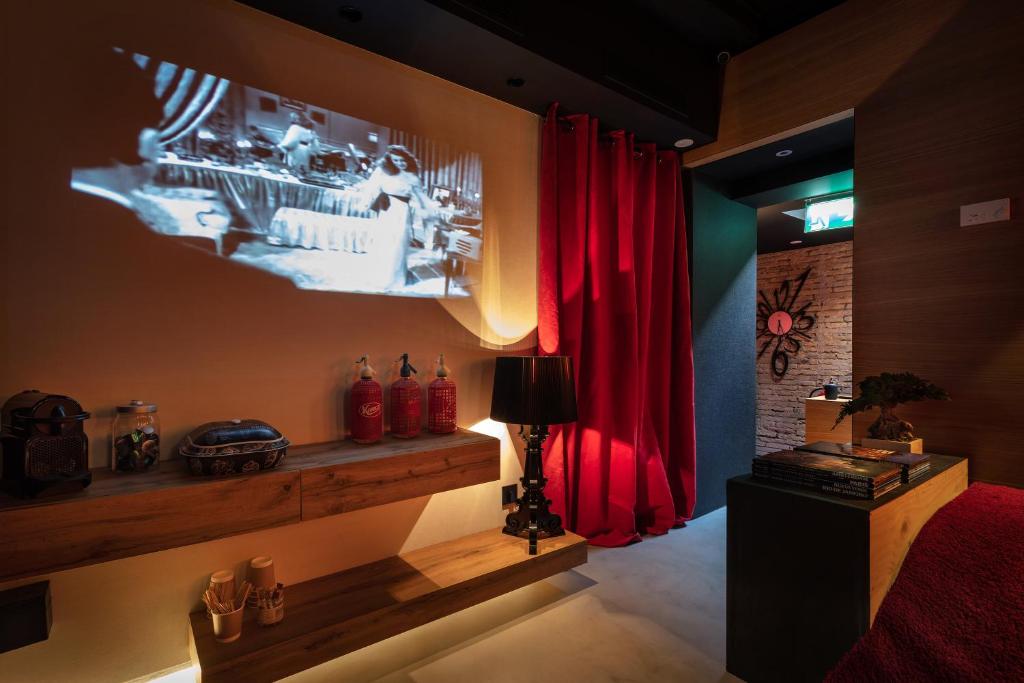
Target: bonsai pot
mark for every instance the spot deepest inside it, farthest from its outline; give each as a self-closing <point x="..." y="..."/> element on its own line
<point x="912" y="446"/>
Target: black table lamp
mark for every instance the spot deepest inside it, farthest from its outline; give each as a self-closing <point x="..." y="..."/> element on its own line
<point x="533" y="392"/>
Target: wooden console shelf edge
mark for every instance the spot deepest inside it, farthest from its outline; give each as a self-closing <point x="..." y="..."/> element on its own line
<point x="126" y="515"/>
<point x="895" y="525"/>
<point x="337" y="614"/>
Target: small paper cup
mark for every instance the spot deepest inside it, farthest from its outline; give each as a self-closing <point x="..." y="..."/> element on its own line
<point x="227" y="628"/>
<point x="222" y="583"/>
<point x="261" y="572"/>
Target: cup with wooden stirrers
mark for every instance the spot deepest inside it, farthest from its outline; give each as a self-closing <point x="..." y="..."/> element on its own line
<point x="269" y="605"/>
<point x="227" y="613"/>
<point x="222" y="583"/>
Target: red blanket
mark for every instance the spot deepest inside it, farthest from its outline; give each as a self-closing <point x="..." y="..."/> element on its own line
<point x="956" y="610"/>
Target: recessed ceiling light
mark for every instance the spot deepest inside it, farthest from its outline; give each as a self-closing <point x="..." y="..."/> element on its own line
<point x="684" y="142"/>
<point x="783" y="152"/>
<point x="796" y="241"/>
<point x="353" y="14"/>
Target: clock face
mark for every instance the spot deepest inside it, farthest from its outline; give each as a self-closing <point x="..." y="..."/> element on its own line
<point x="780" y="323"/>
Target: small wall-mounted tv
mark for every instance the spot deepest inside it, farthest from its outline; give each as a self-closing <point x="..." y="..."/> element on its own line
<point x="829" y="213"/>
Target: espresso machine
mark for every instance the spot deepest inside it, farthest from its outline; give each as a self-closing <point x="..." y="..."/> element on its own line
<point x="45" y="447"/>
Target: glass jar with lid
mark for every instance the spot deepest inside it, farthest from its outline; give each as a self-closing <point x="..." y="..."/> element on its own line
<point x="135" y="438"/>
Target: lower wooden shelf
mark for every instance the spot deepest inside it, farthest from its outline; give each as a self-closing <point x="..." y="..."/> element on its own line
<point x="333" y="615"/>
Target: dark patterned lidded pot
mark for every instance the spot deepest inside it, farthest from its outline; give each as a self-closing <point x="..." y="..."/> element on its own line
<point x="233" y="447"/>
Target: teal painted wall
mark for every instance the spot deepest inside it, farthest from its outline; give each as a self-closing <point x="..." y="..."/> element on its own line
<point x="724" y="283"/>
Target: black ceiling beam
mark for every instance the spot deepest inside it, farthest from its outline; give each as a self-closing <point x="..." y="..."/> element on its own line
<point x="740" y="13"/>
<point x="618" y="45"/>
<point x="620" y="65"/>
<point x="815" y="167"/>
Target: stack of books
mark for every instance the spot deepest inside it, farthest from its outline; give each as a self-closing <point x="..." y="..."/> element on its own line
<point x="829" y="473"/>
<point x="912" y="465"/>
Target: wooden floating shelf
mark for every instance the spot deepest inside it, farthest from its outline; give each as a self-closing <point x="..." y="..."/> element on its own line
<point x="125" y="515"/>
<point x="342" y="477"/>
<point x="334" y="615"/>
<point x="130" y="515"/>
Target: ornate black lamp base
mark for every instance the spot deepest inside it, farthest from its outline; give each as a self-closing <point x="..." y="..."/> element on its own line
<point x="531" y="518"/>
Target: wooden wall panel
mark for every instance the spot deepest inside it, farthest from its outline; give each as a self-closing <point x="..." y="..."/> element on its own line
<point x="818" y="71"/>
<point x="947" y="302"/>
<point x="937" y="91"/>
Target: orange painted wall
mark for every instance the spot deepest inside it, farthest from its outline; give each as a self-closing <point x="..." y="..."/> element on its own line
<point x="96" y="306"/>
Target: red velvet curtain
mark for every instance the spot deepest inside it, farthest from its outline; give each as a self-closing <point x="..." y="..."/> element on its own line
<point x="614" y="294"/>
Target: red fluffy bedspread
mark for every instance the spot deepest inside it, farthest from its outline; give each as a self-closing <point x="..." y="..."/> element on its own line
<point x="956" y="610"/>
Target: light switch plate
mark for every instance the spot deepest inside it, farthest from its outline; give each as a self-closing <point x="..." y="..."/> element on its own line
<point x="985" y="212"/>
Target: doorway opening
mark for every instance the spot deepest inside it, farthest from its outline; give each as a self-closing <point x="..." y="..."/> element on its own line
<point x="802" y="190"/>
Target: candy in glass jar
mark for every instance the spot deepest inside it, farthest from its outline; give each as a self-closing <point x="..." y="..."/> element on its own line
<point x="136" y="438"/>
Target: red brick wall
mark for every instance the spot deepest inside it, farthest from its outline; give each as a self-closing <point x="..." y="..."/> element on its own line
<point x="829" y="353"/>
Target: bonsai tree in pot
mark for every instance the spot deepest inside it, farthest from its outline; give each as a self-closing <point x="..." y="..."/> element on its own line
<point x="886" y="391"/>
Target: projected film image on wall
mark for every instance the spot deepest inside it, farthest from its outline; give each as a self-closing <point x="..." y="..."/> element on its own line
<point x="324" y="199"/>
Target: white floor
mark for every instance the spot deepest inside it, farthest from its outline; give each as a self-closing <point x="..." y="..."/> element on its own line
<point x="651" y="612"/>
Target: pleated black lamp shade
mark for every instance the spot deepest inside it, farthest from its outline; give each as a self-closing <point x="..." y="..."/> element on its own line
<point x="533" y="390"/>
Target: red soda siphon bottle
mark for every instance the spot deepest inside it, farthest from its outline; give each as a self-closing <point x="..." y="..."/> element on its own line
<point x="405" y="402"/>
<point x="367" y="406"/>
<point x="441" y="401"/>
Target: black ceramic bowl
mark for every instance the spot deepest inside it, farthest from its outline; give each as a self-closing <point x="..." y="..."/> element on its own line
<point x="233" y="447"/>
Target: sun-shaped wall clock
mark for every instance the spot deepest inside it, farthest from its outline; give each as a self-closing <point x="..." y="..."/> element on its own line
<point x="781" y="322"/>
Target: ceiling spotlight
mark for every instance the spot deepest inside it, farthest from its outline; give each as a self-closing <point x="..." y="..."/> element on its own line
<point x="516" y="82"/>
<point x="783" y="152"/>
<point x="353" y="14"/>
<point x="796" y="241"/>
<point x="684" y="142"/>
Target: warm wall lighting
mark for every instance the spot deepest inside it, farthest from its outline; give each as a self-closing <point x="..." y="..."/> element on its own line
<point x="511" y="468"/>
<point x="498" y="430"/>
<point x="477" y="505"/>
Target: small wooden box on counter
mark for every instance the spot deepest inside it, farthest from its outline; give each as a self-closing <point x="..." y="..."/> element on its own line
<point x="806" y="572"/>
<point x="820" y="415"/>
